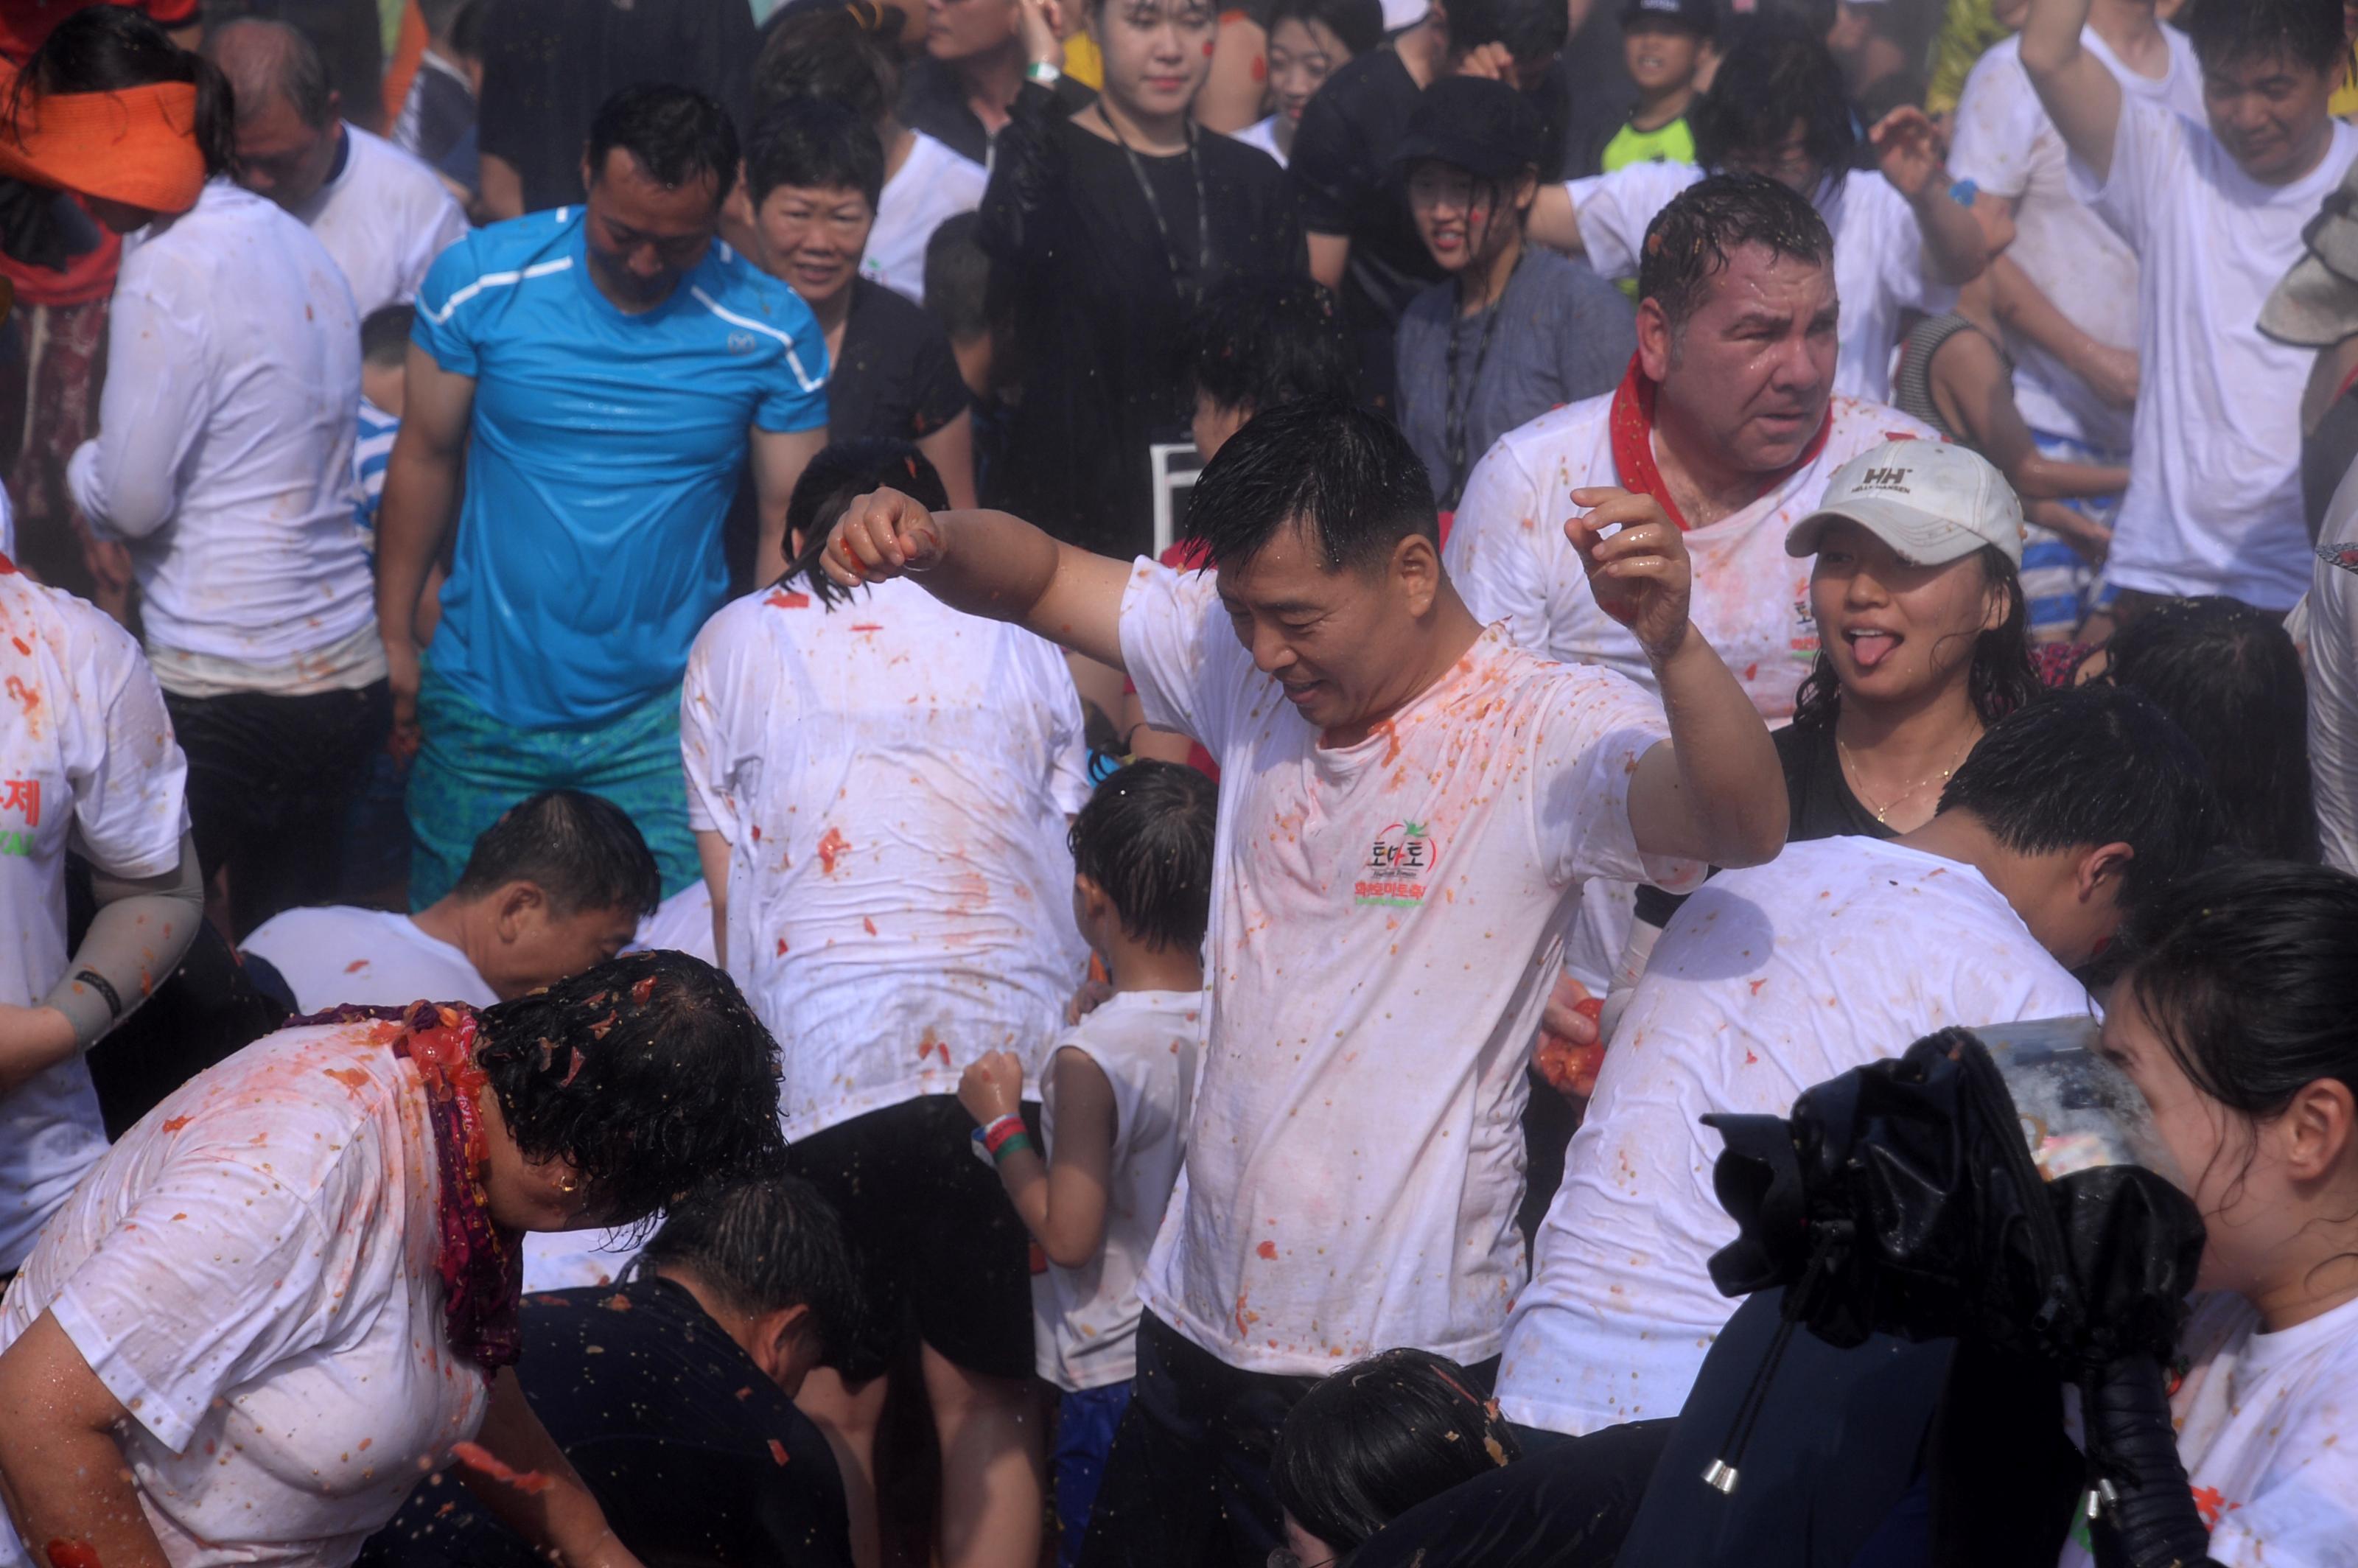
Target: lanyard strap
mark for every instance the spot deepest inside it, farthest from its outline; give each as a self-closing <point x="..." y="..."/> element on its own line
<point x="1454" y="411"/>
<point x="1154" y="203"/>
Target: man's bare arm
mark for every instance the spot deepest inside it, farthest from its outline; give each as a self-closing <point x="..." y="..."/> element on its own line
<point x="2079" y="94"/>
<point x="778" y="458"/>
<point x="421" y="492"/>
<point x="989" y="564"/>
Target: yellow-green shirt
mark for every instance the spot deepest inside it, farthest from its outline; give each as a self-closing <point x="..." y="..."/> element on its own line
<point x="1672" y="143"/>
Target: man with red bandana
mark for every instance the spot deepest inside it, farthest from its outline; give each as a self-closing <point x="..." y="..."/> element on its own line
<point x="1728" y="416"/>
<point x="1729" y="419"/>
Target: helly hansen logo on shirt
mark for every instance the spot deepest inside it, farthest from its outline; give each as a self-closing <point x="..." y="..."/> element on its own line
<point x="1397" y="866"/>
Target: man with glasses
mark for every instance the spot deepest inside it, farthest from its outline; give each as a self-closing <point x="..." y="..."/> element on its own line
<point x="609" y="371"/>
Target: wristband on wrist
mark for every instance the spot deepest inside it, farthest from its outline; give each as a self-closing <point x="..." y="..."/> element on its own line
<point x="998" y="1130"/>
<point x="1041" y="71"/>
<point x="1019" y="1139"/>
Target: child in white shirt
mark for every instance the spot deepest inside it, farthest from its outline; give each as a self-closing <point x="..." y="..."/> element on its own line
<point x="1114" y="1104"/>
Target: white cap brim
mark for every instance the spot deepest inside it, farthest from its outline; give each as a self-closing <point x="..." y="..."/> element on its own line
<point x="1918" y="536"/>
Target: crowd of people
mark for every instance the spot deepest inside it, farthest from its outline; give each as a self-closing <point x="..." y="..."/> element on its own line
<point x="1017" y="780"/>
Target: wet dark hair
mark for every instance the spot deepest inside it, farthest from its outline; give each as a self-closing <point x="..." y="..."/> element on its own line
<point x="842" y="473"/>
<point x="106" y="48"/>
<point x="957" y="277"/>
<point x="2001" y="679"/>
<point x="1532" y="29"/>
<point x="810" y="143"/>
<point x="842" y="54"/>
<point x="1259" y="341"/>
<point x="676" y="134"/>
<point x="2094" y="766"/>
<point x="1775" y="71"/>
<point x="2230" y="678"/>
<point x="1372" y="1440"/>
<point x="1703" y="226"/>
<point x="2245" y="973"/>
<point x="1348" y="476"/>
<point x="2228" y="32"/>
<point x="763" y="1246"/>
<point x="1360" y="24"/>
<point x="582" y="849"/>
<point x="648" y="1073"/>
<point x="1145" y="838"/>
<point x="385" y="335"/>
<point x="287" y="66"/>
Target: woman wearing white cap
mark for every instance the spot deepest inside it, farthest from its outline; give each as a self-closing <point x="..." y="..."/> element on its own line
<point x="1922" y="645"/>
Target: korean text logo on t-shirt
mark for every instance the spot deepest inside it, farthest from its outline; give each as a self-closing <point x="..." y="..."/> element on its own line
<point x="1397" y="867"/>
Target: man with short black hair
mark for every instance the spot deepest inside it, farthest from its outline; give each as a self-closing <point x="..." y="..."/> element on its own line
<point x="673" y="1396"/>
<point x="1258" y="341"/>
<point x="606" y="373"/>
<point x="559" y="882"/>
<point x="1409" y="805"/>
<point x="2215" y="216"/>
<point x="2066" y="814"/>
<point x="380" y="212"/>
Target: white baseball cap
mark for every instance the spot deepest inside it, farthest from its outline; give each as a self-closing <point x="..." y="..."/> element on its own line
<point x="1399" y="14"/>
<point x="1933" y="502"/>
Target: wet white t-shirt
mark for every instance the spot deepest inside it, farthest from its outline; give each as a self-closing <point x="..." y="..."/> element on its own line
<point x="1262" y="133"/>
<point x="1510" y="558"/>
<point x="385" y="216"/>
<point x="88" y="763"/>
<point x="2213" y="502"/>
<point x="1770" y="980"/>
<point x="1149" y="1044"/>
<point x="251" y="1271"/>
<point x="373" y="957"/>
<point x="894" y="781"/>
<point x="2328" y="631"/>
<point x="933" y="184"/>
<point x="2006" y="145"/>
<point x="1879" y="262"/>
<point x="1386" y="926"/>
<point x="2267" y="1427"/>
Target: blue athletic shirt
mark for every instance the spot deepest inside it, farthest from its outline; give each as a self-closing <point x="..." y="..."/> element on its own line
<point x="607" y="448"/>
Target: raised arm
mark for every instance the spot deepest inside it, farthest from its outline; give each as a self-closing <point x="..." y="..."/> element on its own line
<point x="1956" y="244"/>
<point x="1714" y="791"/>
<point x="986" y="563"/>
<point x="2080" y="94"/>
<point x="421" y="492"/>
<point x="2022" y="307"/>
<point x="1553" y="221"/>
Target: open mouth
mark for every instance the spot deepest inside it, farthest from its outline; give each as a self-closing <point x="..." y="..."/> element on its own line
<point x="1871" y="645"/>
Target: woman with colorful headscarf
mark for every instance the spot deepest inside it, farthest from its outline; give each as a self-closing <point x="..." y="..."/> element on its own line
<point x="289" y="1295"/>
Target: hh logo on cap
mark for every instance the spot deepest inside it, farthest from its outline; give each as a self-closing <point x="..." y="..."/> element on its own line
<point x="1884" y="479"/>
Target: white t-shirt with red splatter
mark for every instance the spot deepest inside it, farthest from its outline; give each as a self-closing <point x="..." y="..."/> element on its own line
<point x="87" y="762"/>
<point x="1385" y="927"/>
<point x="2267" y="1426"/>
<point x="1510" y="558"/>
<point x="1840" y="952"/>
<point x="894" y="780"/>
<point x="251" y="1271"/>
<point x="336" y="954"/>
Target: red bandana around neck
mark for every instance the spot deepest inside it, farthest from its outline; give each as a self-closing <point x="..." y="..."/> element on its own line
<point x="1632" y="429"/>
<point x="482" y="1266"/>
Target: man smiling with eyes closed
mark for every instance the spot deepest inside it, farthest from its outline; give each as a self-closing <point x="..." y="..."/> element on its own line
<point x="1407" y="806"/>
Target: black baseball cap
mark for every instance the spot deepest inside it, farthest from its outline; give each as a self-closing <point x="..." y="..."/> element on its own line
<point x="1702" y="16"/>
<point x="1482" y="126"/>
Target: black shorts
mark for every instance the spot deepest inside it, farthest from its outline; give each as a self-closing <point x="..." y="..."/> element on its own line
<point x="943" y="1255"/>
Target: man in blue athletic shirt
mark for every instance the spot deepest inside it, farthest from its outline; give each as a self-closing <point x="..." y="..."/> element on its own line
<point x="615" y="366"/>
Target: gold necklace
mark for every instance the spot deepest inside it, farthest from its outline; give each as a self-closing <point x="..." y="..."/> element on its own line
<point x="1883" y="813"/>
